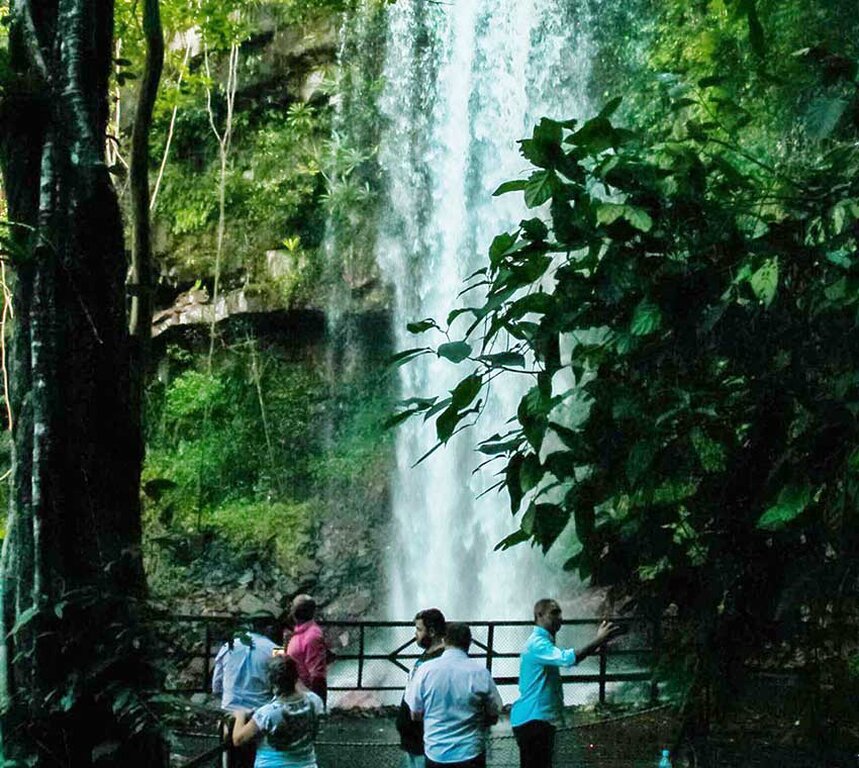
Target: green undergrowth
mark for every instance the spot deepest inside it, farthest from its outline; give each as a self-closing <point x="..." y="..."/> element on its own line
<point x="254" y="457"/>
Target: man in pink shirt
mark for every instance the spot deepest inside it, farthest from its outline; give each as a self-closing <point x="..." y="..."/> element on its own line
<point x="307" y="646"/>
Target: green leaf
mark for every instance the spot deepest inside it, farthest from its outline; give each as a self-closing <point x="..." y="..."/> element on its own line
<point x="407" y="354"/>
<point x="446" y="423"/>
<point x="455" y="351"/>
<point x="496" y="448"/>
<point x="791" y="503"/>
<point x="646" y="319"/>
<point x="711" y="454"/>
<point x="548" y="523"/>
<point x="539" y="188"/>
<point x="823" y="117"/>
<point x="398" y="418"/>
<point x="639" y="460"/>
<point x="764" y="282"/>
<point x="511" y="480"/>
<point x="638" y="217"/>
<point x="421" y="326"/>
<point x="608" y="213"/>
<point x="531" y="473"/>
<point x="595" y="136"/>
<point x="534" y="230"/>
<point x="517" y="537"/>
<point x="501" y="245"/>
<point x="611" y="107"/>
<point x="510" y="186"/>
<point x="464" y="393"/>
<point x="504" y="359"/>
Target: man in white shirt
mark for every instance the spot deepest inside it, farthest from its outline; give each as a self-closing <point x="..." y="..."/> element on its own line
<point x="457" y="700"/>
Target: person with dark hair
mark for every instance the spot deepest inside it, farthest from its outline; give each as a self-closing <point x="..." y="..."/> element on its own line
<point x="240" y="674"/>
<point x="307" y="646"/>
<point x="429" y="636"/>
<point x="285" y="728"/>
<point x="457" y="700"/>
<point x="540" y="706"/>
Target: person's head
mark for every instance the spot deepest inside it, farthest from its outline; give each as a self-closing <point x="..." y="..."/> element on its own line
<point x="282" y="675"/>
<point x="429" y="627"/>
<point x="264" y="623"/>
<point x="547" y="614"/>
<point x="303" y="608"/>
<point x="457" y="635"/>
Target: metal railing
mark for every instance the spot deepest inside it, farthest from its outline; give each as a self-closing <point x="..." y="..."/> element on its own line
<point x="376" y="656"/>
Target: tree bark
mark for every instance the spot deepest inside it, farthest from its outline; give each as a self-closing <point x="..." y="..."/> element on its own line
<point x="72" y="667"/>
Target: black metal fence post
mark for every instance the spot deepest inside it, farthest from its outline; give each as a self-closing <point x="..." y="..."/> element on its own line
<point x="207" y="654"/>
<point x="603" y="668"/>
<point x="654" y="683"/>
<point x="490" y="640"/>
<point x="360" y="657"/>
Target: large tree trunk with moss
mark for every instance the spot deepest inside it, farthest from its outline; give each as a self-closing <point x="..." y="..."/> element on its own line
<point x="72" y="667"/>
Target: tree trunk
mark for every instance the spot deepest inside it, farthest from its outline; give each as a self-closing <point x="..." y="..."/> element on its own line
<point x="72" y="669"/>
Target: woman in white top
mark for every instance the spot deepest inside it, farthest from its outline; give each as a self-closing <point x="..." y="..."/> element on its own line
<point x="287" y="726"/>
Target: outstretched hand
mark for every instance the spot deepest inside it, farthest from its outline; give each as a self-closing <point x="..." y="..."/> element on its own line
<point x="608" y="630"/>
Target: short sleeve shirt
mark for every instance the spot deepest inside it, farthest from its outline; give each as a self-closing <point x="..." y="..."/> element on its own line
<point x="454" y="694"/>
<point x="288" y="727"/>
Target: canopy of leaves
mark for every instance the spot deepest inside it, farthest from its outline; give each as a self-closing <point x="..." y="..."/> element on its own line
<point x="690" y="309"/>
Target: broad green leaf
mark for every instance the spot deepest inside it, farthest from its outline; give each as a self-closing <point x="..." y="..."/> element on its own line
<point x="764" y="282"/>
<point x="608" y="213"/>
<point x="421" y="326"/>
<point x="823" y="117"/>
<point x="711" y="454"/>
<point x="549" y="522"/>
<point x="398" y="418"/>
<point x="406" y="355"/>
<point x="531" y="473"/>
<point x="638" y="217"/>
<point x="646" y="319"/>
<point x="611" y="107"/>
<point x="539" y="188"/>
<point x="500" y="246"/>
<point x="504" y="359"/>
<point x="517" y="537"/>
<point x="639" y="460"/>
<point x="446" y="423"/>
<point x="510" y="186"/>
<point x="455" y="351"/>
<point x="511" y="480"/>
<point x="496" y="448"/>
<point x="791" y="503"/>
<point x="464" y="393"/>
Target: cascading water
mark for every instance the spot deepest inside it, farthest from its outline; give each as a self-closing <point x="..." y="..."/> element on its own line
<point x="463" y="82"/>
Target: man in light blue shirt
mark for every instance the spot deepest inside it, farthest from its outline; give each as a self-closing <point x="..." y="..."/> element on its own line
<point x="539" y="708"/>
<point x="457" y="700"/>
<point x="241" y="672"/>
<point x="241" y="677"/>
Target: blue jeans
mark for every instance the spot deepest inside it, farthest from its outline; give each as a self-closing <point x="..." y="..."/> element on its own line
<point x="413" y="761"/>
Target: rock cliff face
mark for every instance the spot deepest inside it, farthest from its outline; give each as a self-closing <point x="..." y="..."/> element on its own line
<point x="267" y="470"/>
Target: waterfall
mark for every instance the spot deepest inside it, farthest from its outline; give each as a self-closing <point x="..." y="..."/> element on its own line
<point x="463" y="81"/>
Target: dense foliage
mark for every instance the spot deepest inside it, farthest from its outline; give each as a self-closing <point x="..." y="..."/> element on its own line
<point x="685" y="303"/>
<point x="254" y="455"/>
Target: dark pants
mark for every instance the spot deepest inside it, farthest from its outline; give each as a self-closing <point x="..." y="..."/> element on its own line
<point x="236" y="757"/>
<point x="475" y="762"/>
<point x="536" y="740"/>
